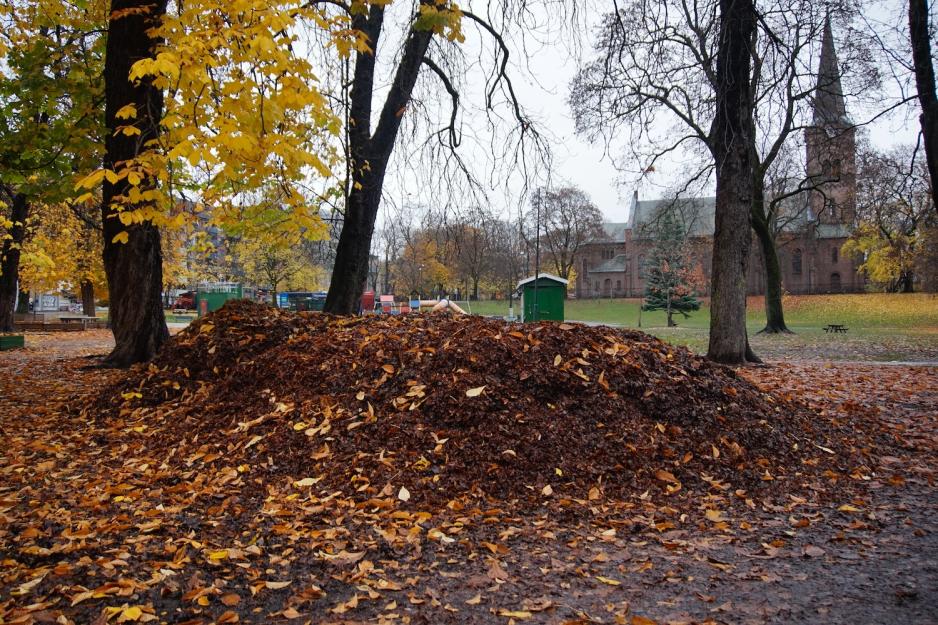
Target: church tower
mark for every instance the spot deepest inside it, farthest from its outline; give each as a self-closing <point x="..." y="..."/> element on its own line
<point x="831" y="143"/>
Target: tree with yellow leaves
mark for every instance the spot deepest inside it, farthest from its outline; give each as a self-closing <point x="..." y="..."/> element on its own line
<point x="212" y="98"/>
<point x="62" y="252"/>
<point x="50" y="122"/>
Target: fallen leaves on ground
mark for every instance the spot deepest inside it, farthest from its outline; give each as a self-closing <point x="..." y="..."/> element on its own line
<point x="270" y="466"/>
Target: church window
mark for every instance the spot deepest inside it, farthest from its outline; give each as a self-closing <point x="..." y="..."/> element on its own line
<point x="618" y="285"/>
<point x="835" y="254"/>
<point x="796" y="262"/>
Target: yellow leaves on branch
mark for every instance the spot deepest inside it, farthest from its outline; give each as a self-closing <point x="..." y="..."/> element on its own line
<point x="244" y="112"/>
<point x="244" y="108"/>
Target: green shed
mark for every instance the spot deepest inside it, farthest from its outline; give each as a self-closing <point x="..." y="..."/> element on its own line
<point x="211" y="297"/>
<point x="542" y="297"/>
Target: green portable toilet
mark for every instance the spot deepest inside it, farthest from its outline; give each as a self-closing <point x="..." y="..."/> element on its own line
<point x="211" y="297"/>
<point x="542" y="297"/>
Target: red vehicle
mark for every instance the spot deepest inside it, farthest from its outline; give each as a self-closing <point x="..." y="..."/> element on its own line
<point x="186" y="301"/>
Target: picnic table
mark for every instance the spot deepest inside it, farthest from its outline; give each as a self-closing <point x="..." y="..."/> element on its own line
<point x="835" y="328"/>
<point x="82" y="319"/>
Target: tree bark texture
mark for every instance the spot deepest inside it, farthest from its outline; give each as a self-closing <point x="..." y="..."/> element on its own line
<point x="370" y="154"/>
<point x="22" y="306"/>
<point x="10" y="261"/>
<point x="731" y="135"/>
<point x="87" y="298"/>
<point x="925" y="84"/>
<point x="134" y="269"/>
<point x="774" y="313"/>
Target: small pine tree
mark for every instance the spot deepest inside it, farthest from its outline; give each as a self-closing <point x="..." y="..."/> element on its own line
<point x="667" y="279"/>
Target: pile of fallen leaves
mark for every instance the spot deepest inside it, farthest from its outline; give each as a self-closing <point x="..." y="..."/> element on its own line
<point x="272" y="467"/>
<point x="435" y="409"/>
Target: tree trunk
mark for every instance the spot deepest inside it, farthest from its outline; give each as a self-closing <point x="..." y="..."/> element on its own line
<point x="134" y="269"/>
<point x="87" y="298"/>
<point x="731" y="136"/>
<point x="774" y="314"/>
<point x="370" y="154"/>
<point x="23" y="306"/>
<point x="925" y="84"/>
<point x="10" y="261"/>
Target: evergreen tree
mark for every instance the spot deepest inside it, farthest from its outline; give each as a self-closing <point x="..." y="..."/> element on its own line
<point x="667" y="279"/>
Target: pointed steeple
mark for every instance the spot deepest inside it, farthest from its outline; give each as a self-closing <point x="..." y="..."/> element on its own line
<point x="829" y="106"/>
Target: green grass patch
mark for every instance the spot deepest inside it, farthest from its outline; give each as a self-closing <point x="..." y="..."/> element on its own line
<point x="859" y="312"/>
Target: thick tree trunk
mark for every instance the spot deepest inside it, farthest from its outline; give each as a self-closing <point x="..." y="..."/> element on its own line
<point x="370" y="155"/>
<point x="925" y="83"/>
<point x="10" y="261"/>
<point x="731" y="136"/>
<point x="350" y="271"/>
<point x="774" y="314"/>
<point x="87" y="298"/>
<point x="134" y="269"/>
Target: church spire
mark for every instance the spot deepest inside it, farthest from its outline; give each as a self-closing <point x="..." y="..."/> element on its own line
<point x="829" y="106"/>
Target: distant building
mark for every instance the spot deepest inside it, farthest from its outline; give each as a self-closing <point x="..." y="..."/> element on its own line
<point x="817" y="222"/>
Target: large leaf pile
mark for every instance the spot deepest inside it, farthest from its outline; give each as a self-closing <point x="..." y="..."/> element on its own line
<point x="436" y="408"/>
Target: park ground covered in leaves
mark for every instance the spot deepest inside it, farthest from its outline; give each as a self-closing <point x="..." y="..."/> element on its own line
<point x="279" y="467"/>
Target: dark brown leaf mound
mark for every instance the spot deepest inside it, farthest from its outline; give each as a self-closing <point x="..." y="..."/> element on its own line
<point x="453" y="407"/>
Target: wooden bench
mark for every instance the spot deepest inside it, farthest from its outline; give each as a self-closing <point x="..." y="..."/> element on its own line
<point x="79" y="319"/>
<point x="835" y="328"/>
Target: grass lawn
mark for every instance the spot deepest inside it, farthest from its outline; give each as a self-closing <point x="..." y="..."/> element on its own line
<point x="881" y="326"/>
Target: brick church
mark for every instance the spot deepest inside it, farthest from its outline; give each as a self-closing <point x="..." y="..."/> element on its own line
<point x="813" y="226"/>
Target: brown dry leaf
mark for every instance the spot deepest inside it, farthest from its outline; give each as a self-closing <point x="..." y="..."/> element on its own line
<point x="231" y="599"/>
<point x="813" y="551"/>
<point x="277" y="585"/>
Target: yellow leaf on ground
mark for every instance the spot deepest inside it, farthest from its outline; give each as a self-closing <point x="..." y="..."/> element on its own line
<point x="522" y="614"/>
<point x="475" y="392"/>
<point x="130" y="614"/>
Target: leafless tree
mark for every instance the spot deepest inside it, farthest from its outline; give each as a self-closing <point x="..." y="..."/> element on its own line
<point x="428" y="54"/>
<point x="564" y="220"/>
<point x="653" y="86"/>
<point x="920" y="36"/>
